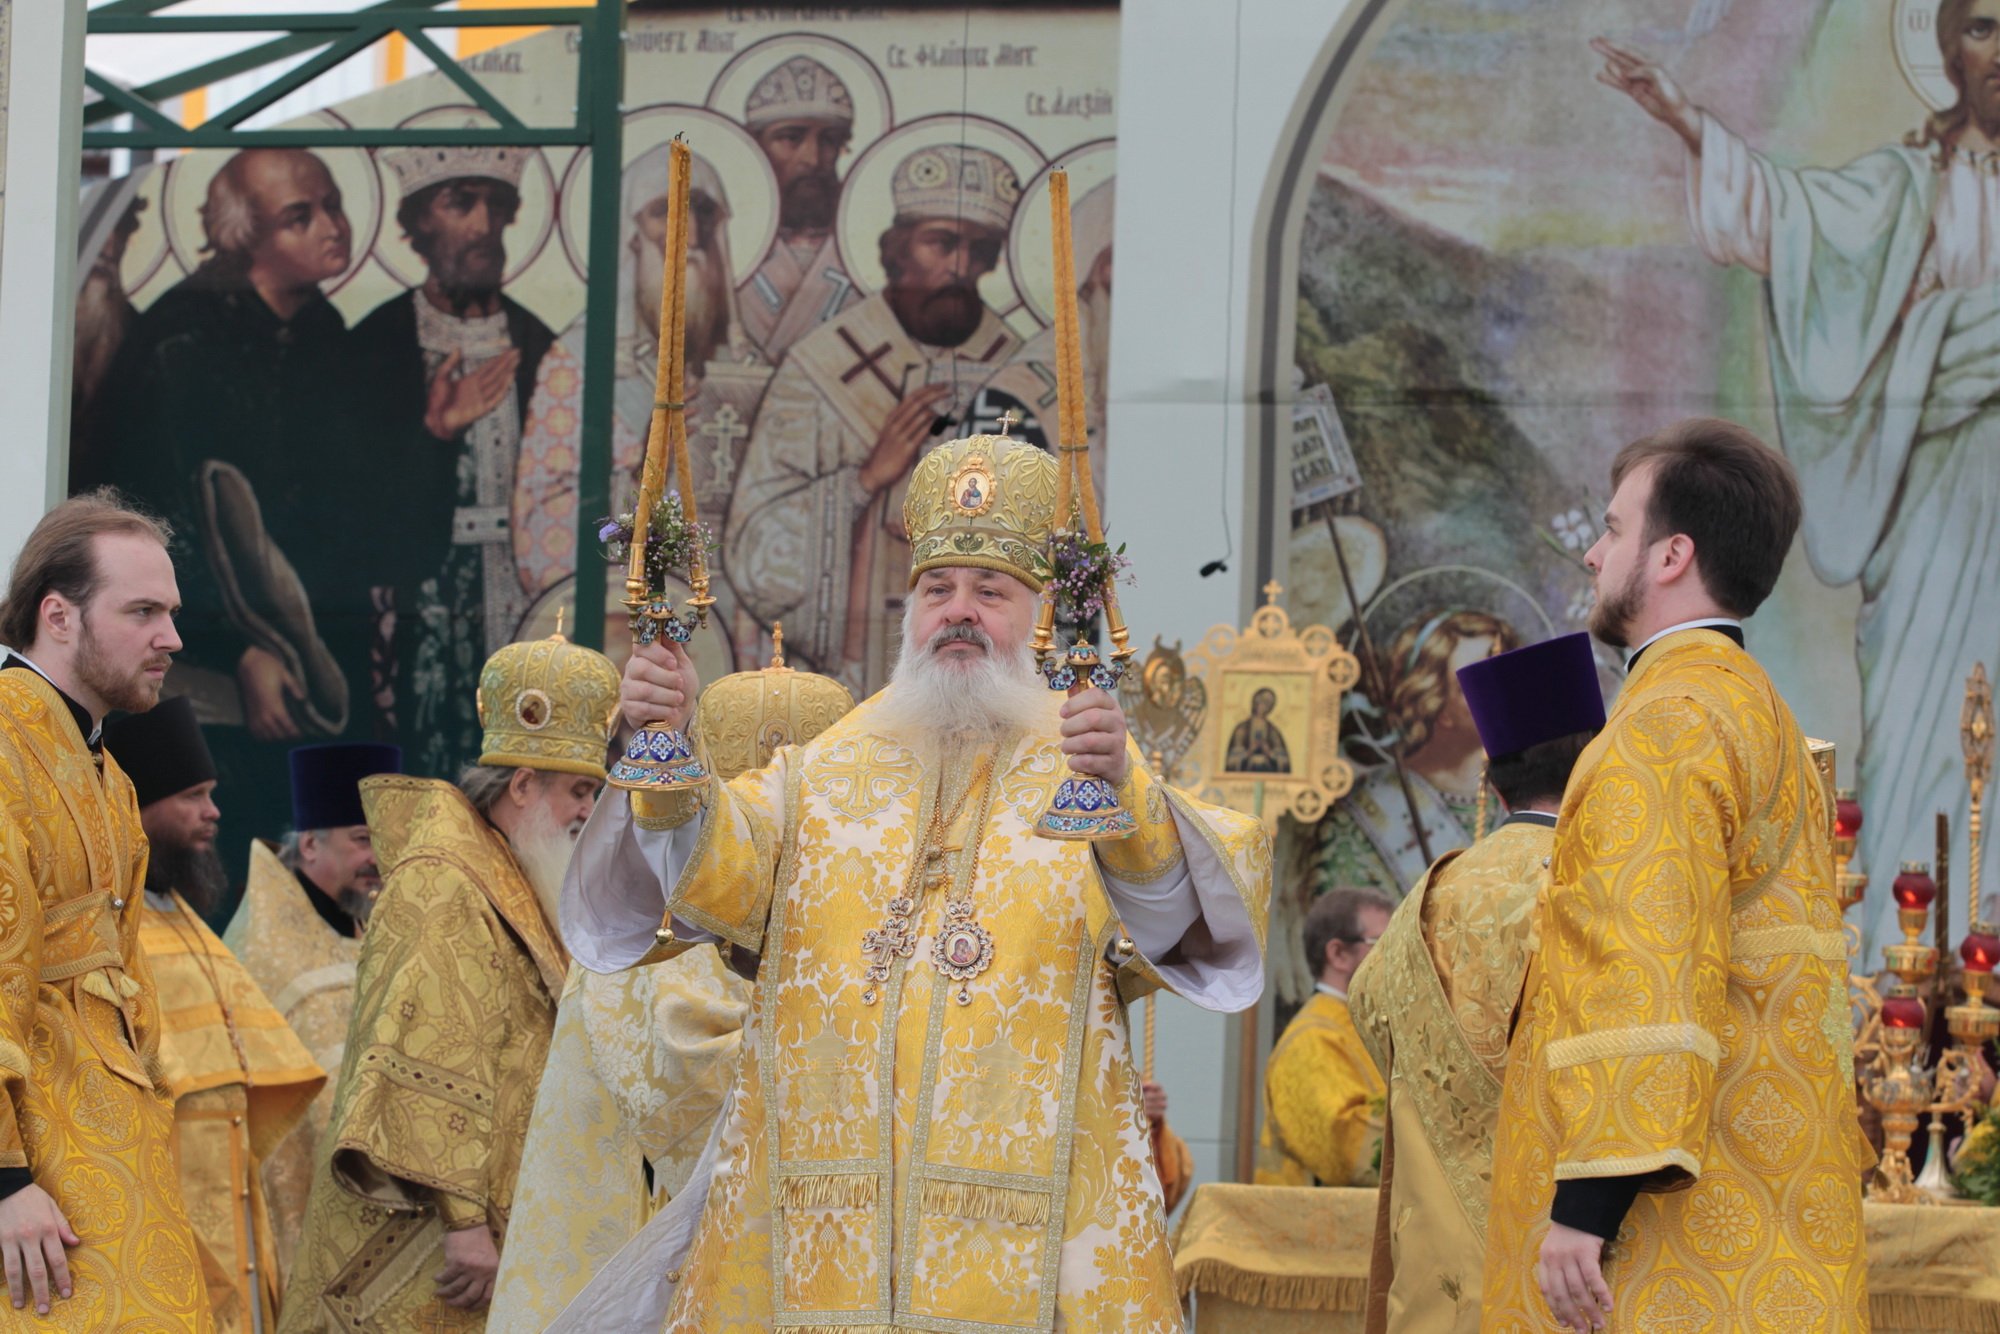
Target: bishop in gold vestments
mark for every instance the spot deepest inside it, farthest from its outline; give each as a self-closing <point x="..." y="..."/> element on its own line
<point x="89" y="1108"/>
<point x="454" y="1004"/>
<point x="1686" y="1019"/>
<point x="936" y="1123"/>
<point x="1435" y="1000"/>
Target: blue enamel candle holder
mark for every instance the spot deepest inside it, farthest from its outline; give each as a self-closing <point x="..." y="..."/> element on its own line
<point x="1085" y="808"/>
<point x="658" y="758"/>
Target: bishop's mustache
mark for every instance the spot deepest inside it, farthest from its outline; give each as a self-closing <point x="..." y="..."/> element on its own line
<point x="961" y="634"/>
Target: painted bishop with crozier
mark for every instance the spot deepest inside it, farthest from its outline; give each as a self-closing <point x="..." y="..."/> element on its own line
<point x="936" y="1123"/>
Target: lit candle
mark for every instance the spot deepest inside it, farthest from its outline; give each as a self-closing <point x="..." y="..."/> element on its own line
<point x="1914" y="889"/>
<point x="1981" y="950"/>
<point x="1846" y="814"/>
<point x="1902" y="1009"/>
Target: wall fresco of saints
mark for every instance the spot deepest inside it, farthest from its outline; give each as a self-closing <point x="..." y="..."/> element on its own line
<point x="1535" y="232"/>
<point x="353" y="380"/>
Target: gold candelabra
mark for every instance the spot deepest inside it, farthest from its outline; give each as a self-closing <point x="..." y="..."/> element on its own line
<point x="1084" y="806"/>
<point x="1900" y="1083"/>
<point x="660" y="757"/>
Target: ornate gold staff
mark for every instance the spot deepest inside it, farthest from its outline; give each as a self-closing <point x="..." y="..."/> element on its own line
<point x="660" y="757"/>
<point x="1976" y="737"/>
<point x="1084" y="807"/>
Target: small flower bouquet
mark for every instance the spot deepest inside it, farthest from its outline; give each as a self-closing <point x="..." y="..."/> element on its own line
<point x="672" y="542"/>
<point x="1086" y="573"/>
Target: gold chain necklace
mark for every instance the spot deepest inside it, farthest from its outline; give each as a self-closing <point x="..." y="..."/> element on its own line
<point x="963" y="949"/>
<point x="207" y="965"/>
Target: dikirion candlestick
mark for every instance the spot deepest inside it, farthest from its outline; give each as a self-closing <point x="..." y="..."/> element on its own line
<point x="1850" y="884"/>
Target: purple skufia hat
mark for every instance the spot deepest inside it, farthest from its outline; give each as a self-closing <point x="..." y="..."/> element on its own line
<point x="1534" y="694"/>
<point x="326" y="781"/>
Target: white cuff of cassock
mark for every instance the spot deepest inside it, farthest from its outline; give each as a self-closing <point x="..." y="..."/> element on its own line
<point x="669" y="850"/>
<point x="1157" y="914"/>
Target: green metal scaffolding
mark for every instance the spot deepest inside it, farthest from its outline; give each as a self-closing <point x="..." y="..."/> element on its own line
<point x="597" y="126"/>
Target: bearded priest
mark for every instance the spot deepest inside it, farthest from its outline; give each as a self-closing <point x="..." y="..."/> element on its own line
<point x="241" y="1079"/>
<point x="921" y="1136"/>
<point x="454" y="1003"/>
<point x="1677" y="1143"/>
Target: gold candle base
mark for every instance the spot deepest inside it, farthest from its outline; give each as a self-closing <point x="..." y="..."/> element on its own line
<point x="1900" y="1089"/>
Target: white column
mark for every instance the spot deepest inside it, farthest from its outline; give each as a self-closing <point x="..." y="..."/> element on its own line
<point x="38" y="258"/>
<point x="1205" y="105"/>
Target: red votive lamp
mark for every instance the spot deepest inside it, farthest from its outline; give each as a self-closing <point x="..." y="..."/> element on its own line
<point x="1846" y="814"/>
<point x="1902" y="1011"/>
<point x="1914" y="889"/>
<point x="1981" y="950"/>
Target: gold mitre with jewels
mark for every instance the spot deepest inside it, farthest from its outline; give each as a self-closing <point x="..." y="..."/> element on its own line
<point x="985" y="501"/>
<point x="548" y="704"/>
<point x="744" y="718"/>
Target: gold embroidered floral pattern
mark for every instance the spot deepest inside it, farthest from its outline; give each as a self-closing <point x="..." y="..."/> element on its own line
<point x="1434" y="1002"/>
<point x="1679" y="1017"/>
<point x="434" y="1098"/>
<point x="1722" y="1223"/>
<point x="887" y="1161"/>
<point x="90" y="1115"/>
<point x="1674" y="1306"/>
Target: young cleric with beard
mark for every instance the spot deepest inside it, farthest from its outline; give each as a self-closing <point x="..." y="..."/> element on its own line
<point x="937" y="1123"/>
<point x="91" y="1218"/>
<point x="454" y="1006"/>
<point x="1678" y="1142"/>
<point x="240" y="1078"/>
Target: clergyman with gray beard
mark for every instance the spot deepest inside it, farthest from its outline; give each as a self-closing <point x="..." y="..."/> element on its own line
<point x="455" y="1002"/>
<point x="297" y="931"/>
<point x="926" y="961"/>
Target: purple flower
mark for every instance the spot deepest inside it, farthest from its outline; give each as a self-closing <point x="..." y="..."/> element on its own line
<point x="610" y="530"/>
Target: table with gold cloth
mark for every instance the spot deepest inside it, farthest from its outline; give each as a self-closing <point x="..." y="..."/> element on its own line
<point x="1278" y="1259"/>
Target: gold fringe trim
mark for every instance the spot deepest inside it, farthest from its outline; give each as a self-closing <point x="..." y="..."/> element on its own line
<point x="851" y="1190"/>
<point x="101" y="985"/>
<point x="1933" y="1314"/>
<point x="1282" y="1292"/>
<point x="838" y="1329"/>
<point x="960" y="1199"/>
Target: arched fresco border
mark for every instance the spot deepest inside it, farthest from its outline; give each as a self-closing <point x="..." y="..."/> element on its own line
<point x="1274" y="265"/>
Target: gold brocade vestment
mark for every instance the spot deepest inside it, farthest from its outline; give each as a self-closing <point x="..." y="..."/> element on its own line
<point x="918" y="1162"/>
<point x="87" y="1108"/>
<point x="454" y="1002"/>
<point x="1687" y="1017"/>
<point x="1322" y="1102"/>
<point x="241" y="1080"/>
<point x="1434" y="1002"/>
<point x="637" y="1070"/>
<point x="306" y="968"/>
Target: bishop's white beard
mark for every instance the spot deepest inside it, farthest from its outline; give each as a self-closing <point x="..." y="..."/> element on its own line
<point x="543" y="849"/>
<point x="933" y="703"/>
